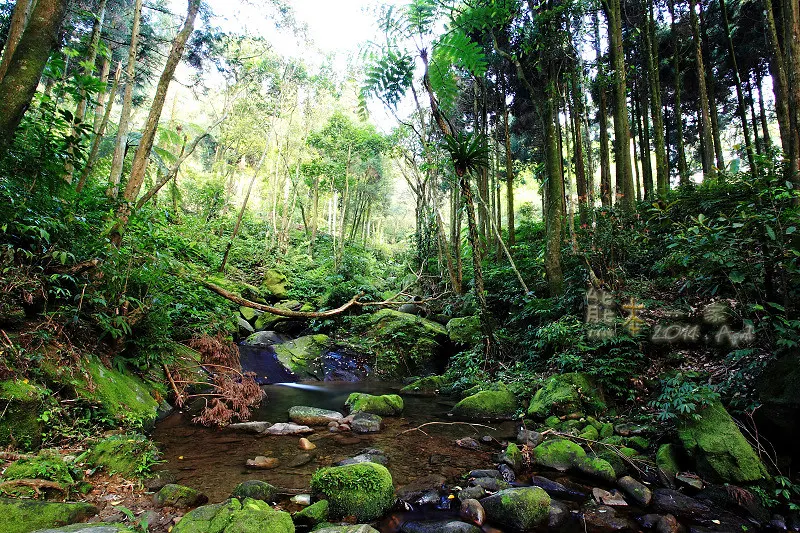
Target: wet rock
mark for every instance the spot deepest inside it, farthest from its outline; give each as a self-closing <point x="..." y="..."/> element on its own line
<point x="490" y="484"/>
<point x="487" y="405"/>
<point x="668" y="524"/>
<point x="612" y="498"/>
<point x="439" y="526"/>
<point x="299" y="460"/>
<point x="251" y="427"/>
<point x="287" y="428"/>
<point x="312" y="515"/>
<point x="778" y="523"/>
<point x="313" y="416"/>
<point x="557" y="490"/>
<point x="301" y="499"/>
<point x="518" y="508"/>
<point x="637" y="491"/>
<point x="632" y="430"/>
<point x="344" y="427"/>
<point x="427" y="386"/>
<point x="529" y="437"/>
<point x="263" y="338"/>
<point x="412" y="491"/>
<point x="358" y="528"/>
<point x="558" y="514"/>
<point x="244" y="325"/>
<point x="304" y="356"/>
<point x="487" y="439"/>
<point x="689" y="480"/>
<point x="233" y="515"/>
<point x="88" y="528"/>
<point x="261" y="462"/>
<point x="475" y="493"/>
<point x="507" y="473"/>
<point x="366" y="423"/>
<point x="362" y="490"/>
<point x="384" y="405"/>
<point x="670" y="501"/>
<point x="605" y="519"/>
<point x="346" y="440"/>
<point x="368" y="455"/>
<point x="472" y="511"/>
<point x="179" y="496"/>
<point x="468" y="443"/>
<point x="159" y="480"/>
<point x="484" y="473"/>
<point x="256" y="490"/>
<point x="737" y="499"/>
<point x="305" y="444"/>
<point x="512" y="456"/>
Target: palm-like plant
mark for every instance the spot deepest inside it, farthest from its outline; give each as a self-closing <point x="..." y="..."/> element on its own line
<point x="468" y="151"/>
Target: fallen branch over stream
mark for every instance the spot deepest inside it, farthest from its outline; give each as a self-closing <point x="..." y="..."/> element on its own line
<point x="470" y="424"/>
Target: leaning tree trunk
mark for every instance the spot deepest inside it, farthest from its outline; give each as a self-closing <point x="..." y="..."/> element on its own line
<point x="26" y="65"/>
<point x="142" y="156"/>
<point x="19" y="20"/>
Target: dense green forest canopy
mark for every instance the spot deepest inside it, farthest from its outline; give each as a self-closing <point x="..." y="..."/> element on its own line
<point x="604" y="187"/>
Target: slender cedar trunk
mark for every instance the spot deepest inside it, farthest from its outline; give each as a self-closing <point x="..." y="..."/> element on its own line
<point x="712" y="92"/>
<point x="654" y="85"/>
<point x="554" y="207"/>
<point x="495" y="191"/>
<point x="635" y="132"/>
<point x="509" y="177"/>
<point x="19" y="20"/>
<point x="705" y="119"/>
<point x="243" y="208"/>
<point x="644" y="143"/>
<point x="580" y="167"/>
<point x="481" y="176"/>
<point x="622" y="135"/>
<point x="121" y="146"/>
<point x="683" y="170"/>
<point x="560" y="137"/>
<point x="314" y="216"/>
<point x="142" y="155"/>
<point x="345" y="206"/>
<point x="762" y="109"/>
<point x="780" y="82"/>
<point x="605" y="153"/>
<point x="567" y="155"/>
<point x="25" y="67"/>
<point x="791" y="13"/>
<point x="80" y="111"/>
<point x="100" y="128"/>
<point x="741" y="108"/>
<point x="100" y="108"/>
<point x="754" y="118"/>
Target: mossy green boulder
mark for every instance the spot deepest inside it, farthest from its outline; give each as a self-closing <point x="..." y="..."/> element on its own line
<point x="130" y="455"/>
<point x="563" y="394"/>
<point x="303" y="355"/>
<point x="255" y="489"/>
<point x="362" y="490"/>
<point x="519" y="509"/>
<point x="47" y="465"/>
<point x="274" y="284"/>
<point x="487" y="405"/>
<point x="24" y="516"/>
<point x="249" y="314"/>
<point x="667" y="459"/>
<point x="383" y="405"/>
<point x="266" y="321"/>
<point x="401" y="344"/>
<point x="512" y="456"/>
<point x="21" y="404"/>
<point x="466" y="330"/>
<point x="234" y="516"/>
<point x="427" y="386"/>
<point x="720" y="451"/>
<point x="95" y="527"/>
<point x="314" y="514"/>
<point x="179" y="496"/>
<point x="563" y="455"/>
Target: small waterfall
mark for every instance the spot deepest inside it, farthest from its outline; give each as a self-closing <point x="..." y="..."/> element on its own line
<point x="303" y="386"/>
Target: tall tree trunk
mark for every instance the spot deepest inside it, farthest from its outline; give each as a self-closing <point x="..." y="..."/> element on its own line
<point x="712" y="92"/>
<point x="762" y="111"/>
<point x="737" y="82"/>
<point x="142" y="156"/>
<point x="654" y="85"/>
<point x="644" y="141"/>
<point x="26" y="64"/>
<point x="791" y="13"/>
<point x="635" y="132"/>
<point x="554" y="206"/>
<point x="622" y="135"/>
<point x="100" y="108"/>
<point x="754" y="119"/>
<point x="605" y="163"/>
<point x="19" y="20"/>
<point x="683" y="170"/>
<point x="705" y="119"/>
<point x="314" y="217"/>
<point x="580" y="167"/>
<point x="780" y="82"/>
<point x="121" y="146"/>
<point x="509" y="177"/>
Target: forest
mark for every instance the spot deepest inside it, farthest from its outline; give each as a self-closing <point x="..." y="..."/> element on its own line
<point x="399" y="266"/>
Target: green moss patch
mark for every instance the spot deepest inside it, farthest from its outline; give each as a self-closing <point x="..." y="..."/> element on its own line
<point x="362" y="490"/>
<point x="312" y="515"/>
<point x="466" y="330"/>
<point x="487" y="405"/>
<point x="303" y="355"/>
<point x="384" y="405"/>
<point x="47" y="465"/>
<point x="24" y="516"/>
<point x="520" y="509"/>
<point x="429" y="385"/>
<point x="129" y="455"/>
<point x="233" y="516"/>
<point x="21" y="404"/>
<point x="567" y="393"/>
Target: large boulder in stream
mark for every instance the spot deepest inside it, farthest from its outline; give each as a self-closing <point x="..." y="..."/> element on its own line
<point x="234" y="516"/>
<point x="487" y="405"/>
<point x="564" y="394"/>
<point x="304" y="355"/>
<point x="23" y="516"/>
<point x="720" y="451"/>
<point x="401" y="344"/>
<point x="313" y="416"/>
<point x="383" y="405"/>
<point x="362" y="490"/>
<point x="520" y="509"/>
<point x="563" y="455"/>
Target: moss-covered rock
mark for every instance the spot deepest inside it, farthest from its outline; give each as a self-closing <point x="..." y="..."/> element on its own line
<point x="47" y="464"/>
<point x="130" y="455"/>
<point x="357" y="528"/>
<point x="558" y="454"/>
<point x="552" y="422"/>
<point x="233" y="516"/>
<point x="20" y="403"/>
<point x="314" y="514"/>
<point x="267" y="321"/>
<point x="427" y="386"/>
<point x="719" y="449"/>
<point x="466" y="330"/>
<point x="180" y="496"/>
<point x="255" y="489"/>
<point x="362" y="490"/>
<point x="563" y="394"/>
<point x="487" y="405"/>
<point x="512" y="456"/>
<point x="249" y="314"/>
<point x="383" y="405"/>
<point x="520" y="509"/>
<point x="638" y="442"/>
<point x="303" y="355"/>
<point x="667" y="459"/>
<point x="274" y="284"/>
<point x="95" y="527"/>
<point x="596" y="467"/>
<point x="401" y="344"/>
<point x="590" y="433"/>
<point x="24" y="516"/>
<point x="606" y="430"/>
<point x="313" y="416"/>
